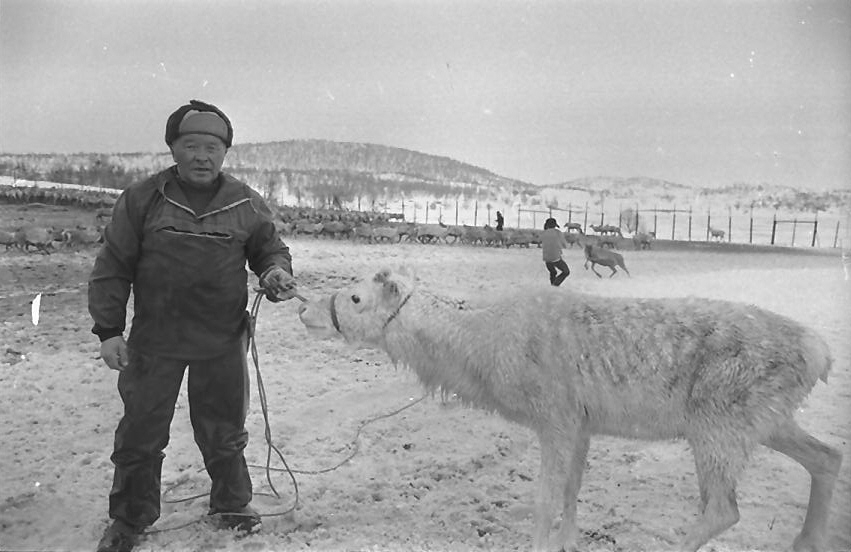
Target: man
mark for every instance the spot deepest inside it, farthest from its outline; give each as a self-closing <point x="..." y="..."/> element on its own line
<point x="181" y="240"/>
<point x="499" y="221"/>
<point x="552" y="241"/>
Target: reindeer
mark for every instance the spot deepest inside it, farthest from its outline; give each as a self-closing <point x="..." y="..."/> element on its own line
<point x="643" y="240"/>
<point x="725" y="377"/>
<point x="573" y="227"/>
<point x="597" y="255"/>
<point x="607" y="229"/>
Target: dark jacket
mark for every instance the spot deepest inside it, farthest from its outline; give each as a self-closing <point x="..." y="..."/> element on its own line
<point x="187" y="271"/>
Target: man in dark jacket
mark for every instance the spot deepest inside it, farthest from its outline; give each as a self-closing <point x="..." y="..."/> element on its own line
<point x="181" y="240"/>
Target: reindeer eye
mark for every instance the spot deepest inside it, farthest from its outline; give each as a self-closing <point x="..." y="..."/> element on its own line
<point x="355" y="299"/>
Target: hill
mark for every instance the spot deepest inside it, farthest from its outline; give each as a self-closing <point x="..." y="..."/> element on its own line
<point x="321" y="172"/>
<point x="295" y="170"/>
<point x="738" y="196"/>
<point x="323" y="155"/>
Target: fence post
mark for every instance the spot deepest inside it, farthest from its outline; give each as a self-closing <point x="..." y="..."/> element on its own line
<point x="750" y="231"/>
<point x="729" y="224"/>
<point x="476" y="212"/>
<point x="456" y="212"/>
<point x="636" y="217"/>
<point x="519" y="209"/>
<point x="708" y="223"/>
<point x="674" y="223"/>
<point x="689" y="223"/>
<point x="836" y="235"/>
<point x="773" y="227"/>
<point x="815" y="229"/>
<point x="585" y="224"/>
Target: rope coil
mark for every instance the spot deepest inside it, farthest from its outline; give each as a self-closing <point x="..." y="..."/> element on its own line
<point x="270" y="446"/>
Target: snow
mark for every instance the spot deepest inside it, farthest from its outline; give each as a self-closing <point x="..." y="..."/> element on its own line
<point x="433" y="476"/>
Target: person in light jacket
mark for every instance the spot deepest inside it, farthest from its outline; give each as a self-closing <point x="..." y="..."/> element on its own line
<point x="552" y="242"/>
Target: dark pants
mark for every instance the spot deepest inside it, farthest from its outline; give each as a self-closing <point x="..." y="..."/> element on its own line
<point x="218" y="403"/>
<point x="555" y="278"/>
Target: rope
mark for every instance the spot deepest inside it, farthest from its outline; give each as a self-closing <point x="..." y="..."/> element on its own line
<point x="270" y="446"/>
<point x="354" y="442"/>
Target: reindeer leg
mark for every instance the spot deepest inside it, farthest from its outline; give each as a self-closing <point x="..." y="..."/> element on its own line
<point x="545" y="504"/>
<point x="594" y="270"/>
<point x="717" y="468"/>
<point x="822" y="462"/>
<point x="568" y="532"/>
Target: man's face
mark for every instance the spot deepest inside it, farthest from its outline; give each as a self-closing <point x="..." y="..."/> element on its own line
<point x="199" y="158"/>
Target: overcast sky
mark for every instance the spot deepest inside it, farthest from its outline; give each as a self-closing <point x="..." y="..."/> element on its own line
<point x="700" y="92"/>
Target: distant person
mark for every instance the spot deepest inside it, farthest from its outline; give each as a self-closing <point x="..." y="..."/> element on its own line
<point x="499" y="220"/>
<point x="181" y="240"/>
<point x="552" y="242"/>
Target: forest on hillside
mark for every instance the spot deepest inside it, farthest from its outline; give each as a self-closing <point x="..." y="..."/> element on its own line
<point x="337" y="173"/>
<point x="315" y="170"/>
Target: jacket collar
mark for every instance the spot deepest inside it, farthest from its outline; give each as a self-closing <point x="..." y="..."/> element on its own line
<point x="230" y="194"/>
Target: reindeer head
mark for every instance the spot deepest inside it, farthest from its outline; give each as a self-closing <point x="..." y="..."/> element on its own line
<point x="362" y="311"/>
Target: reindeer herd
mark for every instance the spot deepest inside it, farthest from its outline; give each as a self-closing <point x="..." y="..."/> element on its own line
<point x="598" y="247"/>
<point x="365" y="227"/>
<point x="357" y="227"/>
<point x="86" y="199"/>
<point x="291" y="221"/>
<point x="43" y="240"/>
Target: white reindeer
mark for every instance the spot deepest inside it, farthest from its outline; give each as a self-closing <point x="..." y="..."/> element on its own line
<point x="723" y="376"/>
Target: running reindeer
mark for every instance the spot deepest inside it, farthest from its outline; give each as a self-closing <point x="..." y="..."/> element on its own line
<point x="595" y="254"/>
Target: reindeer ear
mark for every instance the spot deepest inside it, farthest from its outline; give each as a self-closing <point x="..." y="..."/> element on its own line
<point x="392" y="289"/>
<point x="381" y="276"/>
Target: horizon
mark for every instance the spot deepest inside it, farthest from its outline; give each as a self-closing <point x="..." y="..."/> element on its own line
<point x="706" y="94"/>
<point x="566" y="184"/>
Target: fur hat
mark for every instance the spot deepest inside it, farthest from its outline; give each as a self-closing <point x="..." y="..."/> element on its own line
<point x="550" y="223"/>
<point x="201" y="118"/>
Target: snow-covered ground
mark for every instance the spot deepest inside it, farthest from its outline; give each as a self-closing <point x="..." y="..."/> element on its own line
<point x="435" y="476"/>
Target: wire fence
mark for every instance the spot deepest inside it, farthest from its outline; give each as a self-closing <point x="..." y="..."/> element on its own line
<point x="755" y="226"/>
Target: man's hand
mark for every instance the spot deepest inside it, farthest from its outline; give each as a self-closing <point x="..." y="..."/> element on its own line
<point x="278" y="284"/>
<point x="113" y="351"/>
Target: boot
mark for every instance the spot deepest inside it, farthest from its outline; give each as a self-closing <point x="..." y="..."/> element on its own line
<point x="119" y="537"/>
<point x="242" y="520"/>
